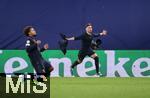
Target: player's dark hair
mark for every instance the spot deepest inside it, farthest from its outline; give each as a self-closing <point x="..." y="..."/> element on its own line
<point x="88" y="24"/>
<point x="27" y="30"/>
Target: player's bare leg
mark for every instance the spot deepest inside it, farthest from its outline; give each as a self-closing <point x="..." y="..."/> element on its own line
<point x="96" y="59"/>
<point x="74" y="65"/>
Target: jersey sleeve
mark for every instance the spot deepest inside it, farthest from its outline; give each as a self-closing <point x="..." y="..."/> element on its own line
<point x="79" y="37"/>
<point x="29" y="46"/>
<point x="96" y="34"/>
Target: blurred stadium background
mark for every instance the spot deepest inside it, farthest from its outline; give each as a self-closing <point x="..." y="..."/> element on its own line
<point x="127" y="21"/>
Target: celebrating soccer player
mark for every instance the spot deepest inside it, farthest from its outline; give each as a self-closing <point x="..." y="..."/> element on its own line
<point x="41" y="66"/>
<point x="86" y="49"/>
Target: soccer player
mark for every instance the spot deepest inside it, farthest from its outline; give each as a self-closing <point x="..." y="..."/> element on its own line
<point x="86" y="50"/>
<point x="41" y="66"/>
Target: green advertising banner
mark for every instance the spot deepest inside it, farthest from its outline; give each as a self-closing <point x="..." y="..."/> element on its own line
<point x="113" y="63"/>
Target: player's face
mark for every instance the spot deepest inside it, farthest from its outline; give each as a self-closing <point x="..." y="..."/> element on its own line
<point x="32" y="32"/>
<point x="89" y="29"/>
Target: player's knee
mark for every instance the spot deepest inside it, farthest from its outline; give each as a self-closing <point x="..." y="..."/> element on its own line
<point x="94" y="55"/>
<point x="80" y="61"/>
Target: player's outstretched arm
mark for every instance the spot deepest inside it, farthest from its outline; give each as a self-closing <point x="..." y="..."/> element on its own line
<point x="71" y="38"/>
<point x="104" y="32"/>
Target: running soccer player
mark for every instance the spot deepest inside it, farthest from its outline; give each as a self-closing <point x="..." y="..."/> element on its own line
<point x="41" y="66"/>
<point x="86" y="50"/>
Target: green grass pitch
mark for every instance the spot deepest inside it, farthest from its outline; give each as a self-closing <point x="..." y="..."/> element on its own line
<point x="77" y="87"/>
